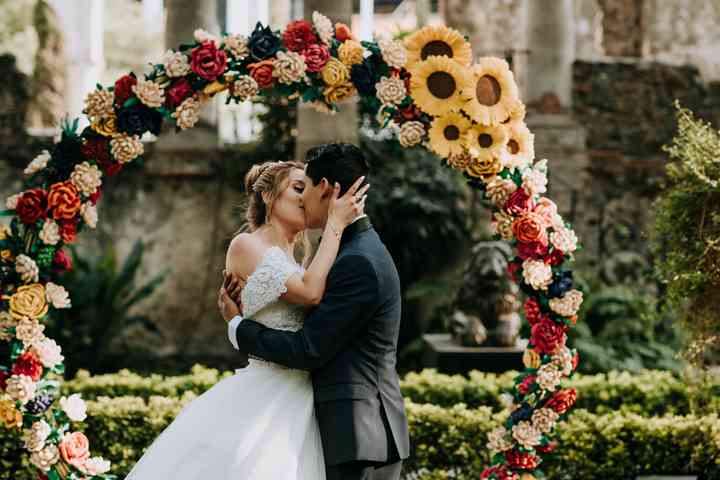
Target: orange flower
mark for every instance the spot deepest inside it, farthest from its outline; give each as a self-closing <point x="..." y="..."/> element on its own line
<point x="63" y="200"/>
<point x="262" y="73"/>
<point x="342" y="32"/>
<point x="529" y="228"/>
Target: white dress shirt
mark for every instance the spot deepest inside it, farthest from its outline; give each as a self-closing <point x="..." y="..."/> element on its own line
<point x="233" y="324"/>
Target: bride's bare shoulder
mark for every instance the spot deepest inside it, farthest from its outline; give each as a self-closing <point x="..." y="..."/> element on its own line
<point x="244" y="253"/>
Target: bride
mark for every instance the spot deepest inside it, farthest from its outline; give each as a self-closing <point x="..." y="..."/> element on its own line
<point x="260" y="423"/>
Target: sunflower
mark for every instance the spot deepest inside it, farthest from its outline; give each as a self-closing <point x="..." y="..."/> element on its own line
<point x="436" y="83"/>
<point x="520" y="148"/>
<point x="437" y="41"/>
<point x="446" y="134"/>
<point x="492" y="93"/>
<point x="487" y="141"/>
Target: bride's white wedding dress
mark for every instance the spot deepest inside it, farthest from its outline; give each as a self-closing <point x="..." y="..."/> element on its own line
<point x="258" y="424"/>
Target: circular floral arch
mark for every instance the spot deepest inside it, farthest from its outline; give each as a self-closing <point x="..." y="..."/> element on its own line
<point x="425" y="87"/>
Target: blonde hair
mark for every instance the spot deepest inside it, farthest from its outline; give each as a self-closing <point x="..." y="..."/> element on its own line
<point x="269" y="178"/>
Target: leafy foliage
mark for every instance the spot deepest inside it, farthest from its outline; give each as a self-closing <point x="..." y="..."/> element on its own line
<point x="687" y="226"/>
<point x="103" y="293"/>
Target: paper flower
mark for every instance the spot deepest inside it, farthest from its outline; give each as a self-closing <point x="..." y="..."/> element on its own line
<point x="447" y="135"/>
<point x="531" y="359"/>
<point x="316" y="56"/>
<point x="45" y="458"/>
<point x="537" y="274"/>
<point x="176" y="64"/>
<point x="36" y="435"/>
<point x="486" y="142"/>
<point x="390" y="90"/>
<point x="125" y="148"/>
<point x="11" y="202"/>
<point x="88" y="212"/>
<point x="323" y="27"/>
<point x="491" y="93"/>
<point x="520" y="146"/>
<point x="187" y="114"/>
<point x="74" y="407"/>
<point x="48" y="352"/>
<point x="435" y="85"/>
<point x="26" y="268"/>
<point x="38" y="163"/>
<point x="99" y="104"/>
<point x="393" y="53"/>
<point x="149" y="93"/>
<point x="498" y="440"/>
<point x="28" y="301"/>
<point x="459" y="161"/>
<point x="502" y="225"/>
<point x="31" y="205"/>
<point x="526" y="434"/>
<point x="564" y="239"/>
<point x="207" y="61"/>
<point x="57" y="296"/>
<point x="547" y="335"/>
<point x="9" y="415"/>
<point x="50" y="233"/>
<point x="29" y="365"/>
<point x="568" y="304"/>
<point x="86" y="177"/>
<point x="95" y="466"/>
<point x="499" y="189"/>
<point x="238" y="46"/>
<point x="245" y="87"/>
<point x="437" y="41"/>
<point x="549" y="377"/>
<point x="544" y="419"/>
<point x="63" y="200"/>
<point x="338" y="93"/>
<point x="21" y="388"/>
<point x="335" y="72"/>
<point x="289" y="67"/>
<point x="411" y="133"/>
<point x="351" y="52"/>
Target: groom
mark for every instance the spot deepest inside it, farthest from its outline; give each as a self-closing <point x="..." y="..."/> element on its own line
<point x="349" y="342"/>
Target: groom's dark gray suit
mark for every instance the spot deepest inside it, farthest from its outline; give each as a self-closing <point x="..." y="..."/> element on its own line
<point x="349" y="343"/>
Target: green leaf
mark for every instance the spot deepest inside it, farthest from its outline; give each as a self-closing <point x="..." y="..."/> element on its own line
<point x="130" y="102"/>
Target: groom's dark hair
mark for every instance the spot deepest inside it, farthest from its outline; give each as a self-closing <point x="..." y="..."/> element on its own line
<point x="337" y="162"/>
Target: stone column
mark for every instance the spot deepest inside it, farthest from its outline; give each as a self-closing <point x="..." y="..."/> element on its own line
<point x="551" y="40"/>
<point x="82" y="25"/>
<point x="315" y="127"/>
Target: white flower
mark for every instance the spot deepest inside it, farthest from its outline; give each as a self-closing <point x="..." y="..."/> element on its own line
<point x="95" y="466"/>
<point x="411" y="133"/>
<point x="74" y="407"/>
<point x="502" y="225"/>
<point x="390" y="90"/>
<point x="506" y="400"/>
<point x="20" y="388"/>
<point x="26" y="268"/>
<point x="526" y="434"/>
<point x="57" y="295"/>
<point x="86" y="177"/>
<point x="188" y="113"/>
<point x="534" y="182"/>
<point x="393" y="52"/>
<point x="204" y="36"/>
<point x="38" y="163"/>
<point x="89" y="214"/>
<point x="499" y="189"/>
<point x="544" y="419"/>
<point x="48" y="352"/>
<point x="29" y="331"/>
<point x="245" y="87"/>
<point x="564" y="239"/>
<point x="149" y="93"/>
<point x="238" y="46"/>
<point x="50" y="233"/>
<point x="176" y="64"/>
<point x="45" y="458"/>
<point x="324" y="27"/>
<point x="12" y="201"/>
<point x="568" y="304"/>
<point x="498" y="440"/>
<point x="537" y="274"/>
<point x="549" y="377"/>
<point x="35" y="437"/>
<point x="289" y="67"/>
<point x="563" y="360"/>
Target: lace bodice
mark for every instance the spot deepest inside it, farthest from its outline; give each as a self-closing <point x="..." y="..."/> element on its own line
<point x="261" y="295"/>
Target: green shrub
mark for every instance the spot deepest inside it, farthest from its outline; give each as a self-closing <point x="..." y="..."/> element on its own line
<point x="612" y="446"/>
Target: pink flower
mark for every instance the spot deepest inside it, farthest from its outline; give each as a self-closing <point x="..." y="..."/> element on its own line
<point x="75" y="448"/>
<point x="547" y="211"/>
<point x="316" y="56"/>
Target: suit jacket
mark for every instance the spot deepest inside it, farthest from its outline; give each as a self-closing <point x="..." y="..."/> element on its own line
<point x="349" y="343"/>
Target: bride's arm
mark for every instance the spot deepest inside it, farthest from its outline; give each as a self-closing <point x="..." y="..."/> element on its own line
<point x="310" y="288"/>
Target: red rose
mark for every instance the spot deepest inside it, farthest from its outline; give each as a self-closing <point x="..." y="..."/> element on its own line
<point x="521" y="460"/>
<point x="3" y="380"/>
<point x="526" y="385"/>
<point x="63" y="200"/>
<point x="512" y="270"/>
<point x="97" y="149"/>
<point x="562" y="401"/>
<point x="262" y="72"/>
<point x="547" y="448"/>
<point x="123" y="88"/>
<point x="178" y="91"/>
<point x="519" y="202"/>
<point x="499" y="472"/>
<point x="575" y="361"/>
<point x="556" y="257"/>
<point x="95" y="196"/>
<point x="409" y="113"/>
<point x="207" y="61"/>
<point x="32" y="206"/>
<point x="546" y="335"/>
<point x="532" y="311"/>
<point x="316" y="56"/>
<point x="62" y="262"/>
<point x="28" y="364"/>
<point x="68" y="231"/>
<point x="343" y="32"/>
<point x="299" y="35"/>
<point x="534" y="250"/>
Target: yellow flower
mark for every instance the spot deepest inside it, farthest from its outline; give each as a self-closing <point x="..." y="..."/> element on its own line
<point x="520" y="148"/>
<point x="338" y="93"/>
<point x="9" y="415"/>
<point x="335" y="72"/>
<point x="531" y="359"/>
<point x="486" y="141"/>
<point x="492" y="93"/>
<point x="106" y="126"/>
<point x="484" y="168"/>
<point x="437" y="41"/>
<point x="436" y="84"/>
<point x="215" y="87"/>
<point x="350" y="52"/>
<point x="516" y="112"/>
<point x="29" y="301"/>
<point x="447" y="132"/>
<point x="6" y="255"/>
<point x="4" y="232"/>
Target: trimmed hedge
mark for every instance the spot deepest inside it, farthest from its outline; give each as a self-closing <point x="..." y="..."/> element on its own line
<point x="612" y="446"/>
<point x="647" y="393"/>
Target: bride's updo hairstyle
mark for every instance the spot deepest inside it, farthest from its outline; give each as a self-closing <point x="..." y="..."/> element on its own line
<point x="269" y="179"/>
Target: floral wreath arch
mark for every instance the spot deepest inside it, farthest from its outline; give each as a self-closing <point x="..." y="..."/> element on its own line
<point x="425" y="87"/>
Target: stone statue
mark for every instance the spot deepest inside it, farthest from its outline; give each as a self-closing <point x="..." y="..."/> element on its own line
<point x="485" y="310"/>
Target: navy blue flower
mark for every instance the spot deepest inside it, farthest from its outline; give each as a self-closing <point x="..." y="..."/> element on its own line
<point x="561" y="284"/>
